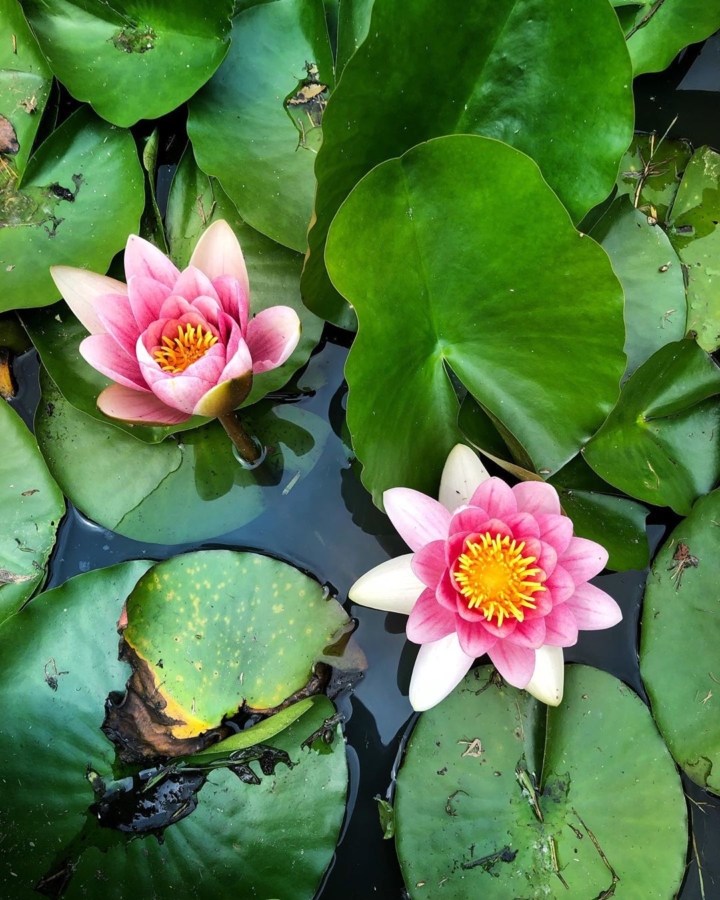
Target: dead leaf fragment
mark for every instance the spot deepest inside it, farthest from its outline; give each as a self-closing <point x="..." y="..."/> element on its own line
<point x="7" y="382"/>
<point x="7" y="577"/>
<point x="8" y="137"/>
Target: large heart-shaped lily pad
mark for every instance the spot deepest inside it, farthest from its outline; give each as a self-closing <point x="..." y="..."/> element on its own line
<point x="660" y="444"/>
<point x="353" y="27"/>
<point x="651" y="276"/>
<point x="448" y="80"/>
<point x="680" y="642"/>
<point x="32" y="507"/>
<point x="257" y="124"/>
<point x="59" y="663"/>
<point x="24" y="80"/>
<point x="84" y="180"/>
<point x="525" y="801"/>
<point x="695" y="234"/>
<point x="657" y="32"/>
<point x="195" y="202"/>
<point x="231" y="630"/>
<point x="132" y="60"/>
<point x="177" y="491"/>
<point x="459" y="278"/>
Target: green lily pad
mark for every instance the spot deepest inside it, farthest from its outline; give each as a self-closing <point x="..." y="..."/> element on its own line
<point x="151" y="224"/>
<point x="132" y="60"/>
<point x="528" y="801"/>
<point x="84" y="180"/>
<point x="659" y="443"/>
<point x="680" y="642"/>
<point x="232" y="630"/>
<point x="651" y="170"/>
<point x="353" y="27"/>
<point x="50" y="739"/>
<point x="695" y="234"/>
<point x="195" y="202"/>
<point x="246" y="131"/>
<point x="178" y="491"/>
<point x="651" y="276"/>
<point x="597" y="514"/>
<point x="657" y="32"/>
<point x="478" y="297"/>
<point x="514" y="71"/>
<point x="25" y="80"/>
<point x="32" y="507"/>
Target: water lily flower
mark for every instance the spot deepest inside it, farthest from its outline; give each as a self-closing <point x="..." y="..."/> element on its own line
<point x="177" y="344"/>
<point x="494" y="570"/>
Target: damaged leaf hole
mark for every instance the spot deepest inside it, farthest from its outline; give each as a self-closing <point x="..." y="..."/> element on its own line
<point x="134" y="38"/>
<point x="310" y="99"/>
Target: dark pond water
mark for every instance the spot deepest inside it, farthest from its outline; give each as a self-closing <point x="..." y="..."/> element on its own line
<point x="327" y="525"/>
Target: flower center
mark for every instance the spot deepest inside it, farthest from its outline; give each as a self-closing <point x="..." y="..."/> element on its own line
<point x="494" y="577"/>
<point x="178" y="353"/>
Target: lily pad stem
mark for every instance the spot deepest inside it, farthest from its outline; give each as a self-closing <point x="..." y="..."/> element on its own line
<point x="245" y="445"/>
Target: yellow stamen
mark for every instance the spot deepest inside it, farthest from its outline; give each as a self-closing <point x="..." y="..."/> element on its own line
<point x="493" y="576"/>
<point x="178" y="353"/>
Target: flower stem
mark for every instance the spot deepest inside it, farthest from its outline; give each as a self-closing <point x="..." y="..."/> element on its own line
<point x="243" y="442"/>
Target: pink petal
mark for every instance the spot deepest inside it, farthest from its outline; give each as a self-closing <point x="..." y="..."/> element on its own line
<point x="561" y="627"/>
<point x="119" y="402"/>
<point x="543" y="601"/>
<point x="418" y="518"/>
<point x="593" y="609"/>
<point x="474" y="639"/>
<point x="468" y="518"/>
<point x="537" y="497"/>
<point x="428" y="621"/>
<point x="496" y="497"/>
<point x="146" y="299"/>
<point x="218" y="253"/>
<point x="516" y="664"/>
<point x="523" y="526"/>
<point x="429" y="563"/>
<point x="445" y="592"/>
<point x="530" y="633"/>
<point x="272" y="336"/>
<point x="545" y="557"/>
<point x="80" y="288"/>
<point x="233" y="299"/>
<point x="440" y="666"/>
<point x="555" y="530"/>
<point x="454" y="546"/>
<point x="494" y="527"/>
<point x="182" y="391"/>
<point x="208" y="309"/>
<point x="583" y="559"/>
<point x="239" y="364"/>
<point x="560" y="585"/>
<point x="104" y="354"/>
<point x="143" y="258"/>
<point x="193" y="283"/>
<point x="173" y="308"/>
<point x="116" y="315"/>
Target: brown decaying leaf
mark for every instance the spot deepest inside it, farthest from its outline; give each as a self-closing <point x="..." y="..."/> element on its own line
<point x="7" y="577"/>
<point x="7" y="382"/>
<point x="8" y="137"/>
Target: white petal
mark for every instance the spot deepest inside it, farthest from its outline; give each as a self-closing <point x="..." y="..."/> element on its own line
<point x="462" y="475"/>
<point x="548" y="679"/>
<point x="392" y="586"/>
<point x="80" y="288"/>
<point x="218" y="253"/>
<point x="440" y="666"/>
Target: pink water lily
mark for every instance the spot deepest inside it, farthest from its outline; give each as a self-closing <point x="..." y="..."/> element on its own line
<point x="494" y="570"/>
<point x="177" y="344"/>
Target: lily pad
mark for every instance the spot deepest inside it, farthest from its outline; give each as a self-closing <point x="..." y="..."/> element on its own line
<point x="650" y="172"/>
<point x="232" y="630"/>
<point x="32" y="507"/>
<point x="524" y="800"/>
<point x="659" y="443"/>
<point x="250" y="126"/>
<point x="195" y="202"/>
<point x="680" y="642"/>
<point x="177" y="491"/>
<point x="353" y="27"/>
<point x="657" y="32"/>
<point x="695" y="234"/>
<point x="132" y="60"/>
<point x="25" y="80"/>
<point x="151" y="224"/>
<point x="518" y="70"/>
<point x="51" y="744"/>
<point x="475" y="296"/>
<point x="85" y="179"/>
<point x="651" y="276"/>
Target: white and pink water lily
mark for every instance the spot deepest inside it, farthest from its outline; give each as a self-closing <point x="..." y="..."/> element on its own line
<point x="177" y="344"/>
<point x="494" y="570"/>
